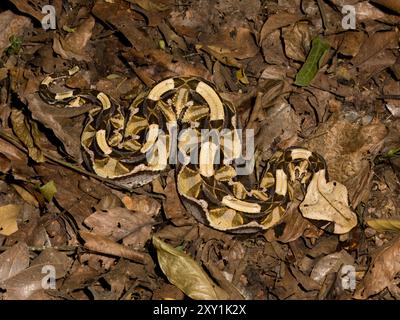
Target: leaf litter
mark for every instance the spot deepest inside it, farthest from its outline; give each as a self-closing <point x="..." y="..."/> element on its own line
<point x="296" y="77"/>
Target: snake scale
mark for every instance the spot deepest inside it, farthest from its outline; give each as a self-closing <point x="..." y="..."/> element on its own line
<point x="184" y="122"/>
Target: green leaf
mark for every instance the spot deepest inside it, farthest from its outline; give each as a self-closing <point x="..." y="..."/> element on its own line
<point x="48" y="190"/>
<point x="183" y="272"/>
<point x="313" y="62"/>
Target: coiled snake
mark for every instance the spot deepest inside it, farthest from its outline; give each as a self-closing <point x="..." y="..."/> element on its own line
<point x="185" y="122"/>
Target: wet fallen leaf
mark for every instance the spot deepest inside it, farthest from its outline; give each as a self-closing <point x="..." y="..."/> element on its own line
<point x="8" y="218"/>
<point x="182" y="271"/>
<point x="328" y="202"/>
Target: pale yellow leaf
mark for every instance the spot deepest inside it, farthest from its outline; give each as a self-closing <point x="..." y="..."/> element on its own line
<point x="183" y="272"/>
<point x="48" y="190"/>
<point x="8" y="219"/>
<point x="328" y="202"/>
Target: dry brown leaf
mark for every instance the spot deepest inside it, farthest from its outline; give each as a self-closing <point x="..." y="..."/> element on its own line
<point x="13" y="261"/>
<point x="26" y="195"/>
<point x="352" y="43"/>
<point x="382" y="272"/>
<point x="105" y="245"/>
<point x="297" y="40"/>
<point x="24" y="284"/>
<point x="26" y="132"/>
<point x="346" y="147"/>
<point x="277" y="21"/>
<point x="328" y="202"/>
<point x="391" y="4"/>
<point x="375" y="44"/>
<point x="74" y="45"/>
<point x="8" y="218"/>
<point x="120" y="223"/>
<point x="11" y="25"/>
<point x="182" y="271"/>
<point x="26" y="7"/>
<point x="142" y="203"/>
<point x="383" y="225"/>
<point x="173" y="207"/>
<point x="231" y="42"/>
<point x="290" y="228"/>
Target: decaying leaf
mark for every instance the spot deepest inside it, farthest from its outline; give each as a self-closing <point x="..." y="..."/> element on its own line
<point x="328" y="202"/>
<point x="383" y="225"/>
<point x="8" y="218"/>
<point x="182" y="271"/>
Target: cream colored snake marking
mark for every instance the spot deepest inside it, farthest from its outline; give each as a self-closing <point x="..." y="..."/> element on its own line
<point x="165" y="125"/>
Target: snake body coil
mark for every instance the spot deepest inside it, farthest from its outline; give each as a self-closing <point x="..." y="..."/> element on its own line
<point x="184" y="121"/>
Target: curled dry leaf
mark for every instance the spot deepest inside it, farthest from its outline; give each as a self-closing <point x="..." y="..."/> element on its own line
<point x="105" y="245"/>
<point x="328" y="202"/>
<point x="8" y="219"/>
<point x="182" y="271"/>
<point x="383" y="225"/>
<point x="382" y="272"/>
